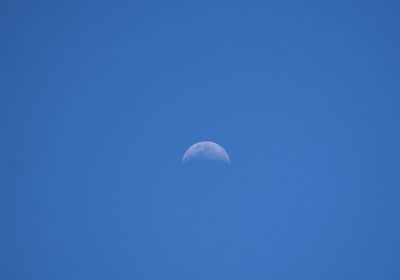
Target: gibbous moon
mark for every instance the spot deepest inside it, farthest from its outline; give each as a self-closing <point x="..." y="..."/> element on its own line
<point x="206" y="150"/>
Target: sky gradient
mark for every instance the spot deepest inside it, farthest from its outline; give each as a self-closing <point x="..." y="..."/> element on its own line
<point x="99" y="101"/>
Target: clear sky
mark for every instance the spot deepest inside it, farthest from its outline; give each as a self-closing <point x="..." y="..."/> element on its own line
<point x="100" y="99"/>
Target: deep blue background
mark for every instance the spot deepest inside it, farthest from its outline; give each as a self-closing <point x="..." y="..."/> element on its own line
<point x="100" y="99"/>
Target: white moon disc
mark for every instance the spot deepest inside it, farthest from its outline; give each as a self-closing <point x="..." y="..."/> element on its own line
<point x="206" y="150"/>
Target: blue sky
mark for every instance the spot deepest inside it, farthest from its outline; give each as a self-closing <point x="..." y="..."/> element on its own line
<point x="100" y="100"/>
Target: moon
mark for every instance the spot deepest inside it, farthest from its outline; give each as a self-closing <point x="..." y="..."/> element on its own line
<point x="206" y="150"/>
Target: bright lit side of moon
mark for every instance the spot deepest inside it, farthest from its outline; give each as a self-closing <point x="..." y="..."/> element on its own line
<point x="206" y="150"/>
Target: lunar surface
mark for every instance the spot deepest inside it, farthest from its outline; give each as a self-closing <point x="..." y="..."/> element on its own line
<point x="206" y="151"/>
